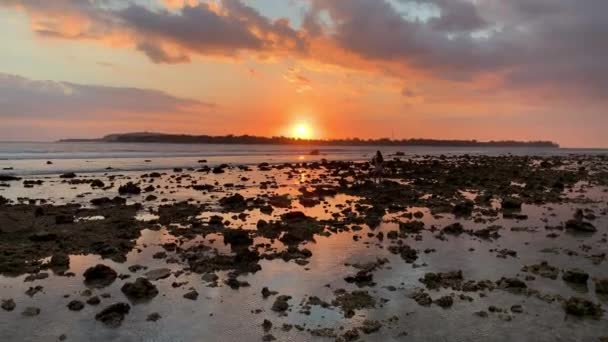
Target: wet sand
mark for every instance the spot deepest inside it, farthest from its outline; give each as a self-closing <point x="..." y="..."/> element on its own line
<point x="465" y="248"/>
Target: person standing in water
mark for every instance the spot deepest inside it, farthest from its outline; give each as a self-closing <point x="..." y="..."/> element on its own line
<point x="378" y="163"/>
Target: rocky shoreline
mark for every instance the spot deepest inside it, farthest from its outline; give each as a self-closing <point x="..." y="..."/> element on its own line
<point x="544" y="218"/>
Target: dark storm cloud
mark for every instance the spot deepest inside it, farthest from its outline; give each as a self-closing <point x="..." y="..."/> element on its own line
<point x="25" y="98"/>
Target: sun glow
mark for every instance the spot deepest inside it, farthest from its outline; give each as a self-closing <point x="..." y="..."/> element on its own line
<point x="302" y="131"/>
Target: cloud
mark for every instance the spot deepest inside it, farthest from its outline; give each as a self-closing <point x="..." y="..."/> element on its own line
<point x="165" y="35"/>
<point x="23" y="98"/>
<point x="548" y="44"/>
<point x="529" y="43"/>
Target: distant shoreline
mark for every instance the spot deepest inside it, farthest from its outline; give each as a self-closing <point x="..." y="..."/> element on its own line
<point x="247" y="139"/>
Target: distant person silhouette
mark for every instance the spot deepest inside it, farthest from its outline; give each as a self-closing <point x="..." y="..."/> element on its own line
<point x="378" y="164"/>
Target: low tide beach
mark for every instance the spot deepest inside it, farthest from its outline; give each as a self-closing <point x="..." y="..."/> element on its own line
<point x="136" y="242"/>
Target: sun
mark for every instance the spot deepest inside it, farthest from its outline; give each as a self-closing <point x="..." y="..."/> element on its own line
<point x="302" y="131"/>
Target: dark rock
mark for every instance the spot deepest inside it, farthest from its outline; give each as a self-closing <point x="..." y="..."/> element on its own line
<point x="575" y="276"/>
<point x="75" y="305"/>
<point x="464" y="208"/>
<point x="93" y="300"/>
<point x="130" y="189"/>
<point x="7" y="178"/>
<point x="235" y="202"/>
<point x="580" y="226"/>
<point x="511" y="203"/>
<point x="237" y="237"/>
<point x="543" y="269"/>
<point x="99" y="276"/>
<point x="370" y="326"/>
<point x="113" y="315"/>
<point x="153" y="317"/>
<point x="68" y="175"/>
<point x="192" y="295"/>
<point x="8" y="304"/>
<point x="454" y="228"/>
<point x="601" y="286"/>
<point x="281" y="303"/>
<point x="96" y="183"/>
<point x="267" y="293"/>
<point x="445" y="302"/>
<point x="582" y="307"/>
<point x="142" y="289"/>
<point x="267" y="325"/>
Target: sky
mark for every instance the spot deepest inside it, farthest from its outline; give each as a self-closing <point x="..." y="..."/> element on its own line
<point x="444" y="69"/>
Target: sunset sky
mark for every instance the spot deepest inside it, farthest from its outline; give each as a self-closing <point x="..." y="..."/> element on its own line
<point x="447" y="69"/>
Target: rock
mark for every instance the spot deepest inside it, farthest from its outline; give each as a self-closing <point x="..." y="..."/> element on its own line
<point x="482" y="314"/>
<point x="445" y="302"/>
<point x="422" y="298"/>
<point x="267" y="293"/>
<point x="237" y="237"/>
<point x="349" y="336"/>
<point x="105" y="201"/>
<point x="362" y="278"/>
<point x="33" y="290"/>
<point x="113" y="315"/>
<point x="434" y="281"/>
<point x="93" y="300"/>
<point x="582" y="307"/>
<point x="68" y="175"/>
<point x="99" y="276"/>
<point x="31" y="311"/>
<point x="580" y="226"/>
<point x="511" y="203"/>
<point x="281" y="304"/>
<point x="235" y="202"/>
<point x="129" y="189"/>
<point x="267" y="325"/>
<point x="370" y="326"/>
<point x="268" y="338"/>
<point x="8" y="304"/>
<point x="411" y="226"/>
<point x="349" y="302"/>
<point x="511" y="284"/>
<point x="543" y="269"/>
<point x="60" y="262"/>
<point x="454" y="228"/>
<point x="96" y="183"/>
<point x="192" y="295"/>
<point x="142" y="289"/>
<point x="153" y="317"/>
<point x="517" y="309"/>
<point x="7" y="178"/>
<point x="601" y="286"/>
<point x="75" y="305"/>
<point x="575" y="276"/>
<point x="158" y="274"/>
<point x="464" y="208"/>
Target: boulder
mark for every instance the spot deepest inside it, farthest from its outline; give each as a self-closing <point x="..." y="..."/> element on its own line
<point x="99" y="276"/>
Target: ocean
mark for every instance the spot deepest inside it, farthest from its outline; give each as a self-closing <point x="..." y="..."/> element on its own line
<point x="30" y="158"/>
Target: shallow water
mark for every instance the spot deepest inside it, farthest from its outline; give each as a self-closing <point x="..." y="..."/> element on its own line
<point x="223" y="314"/>
<point x="31" y="158"/>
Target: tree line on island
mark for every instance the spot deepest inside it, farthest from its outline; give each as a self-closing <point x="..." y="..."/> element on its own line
<point x="249" y="139"/>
